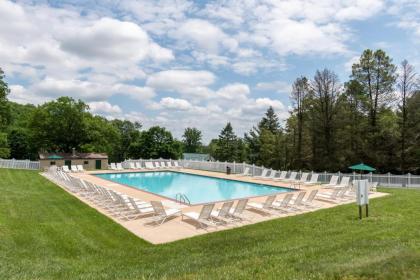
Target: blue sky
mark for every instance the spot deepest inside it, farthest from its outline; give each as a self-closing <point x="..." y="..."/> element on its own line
<point x="192" y="63"/>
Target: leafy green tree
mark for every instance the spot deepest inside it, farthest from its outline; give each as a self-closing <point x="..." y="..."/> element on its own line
<point x="20" y="144"/>
<point x="412" y="160"/>
<point x="4" y="105"/>
<point x="129" y="136"/>
<point x="4" y="146"/>
<point x="157" y="142"/>
<point x="192" y="140"/>
<point x="102" y="137"/>
<point x="59" y="125"/>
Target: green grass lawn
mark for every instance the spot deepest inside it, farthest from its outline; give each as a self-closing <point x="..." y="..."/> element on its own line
<point x="46" y="233"/>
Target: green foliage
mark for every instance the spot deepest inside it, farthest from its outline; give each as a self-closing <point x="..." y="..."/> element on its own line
<point x="192" y="140"/>
<point x="4" y="146"/>
<point x="157" y="142"/>
<point x="45" y="233"/>
<point x="128" y="137"/>
<point x="59" y="125"/>
<point x="229" y="146"/>
<point x="4" y="105"/>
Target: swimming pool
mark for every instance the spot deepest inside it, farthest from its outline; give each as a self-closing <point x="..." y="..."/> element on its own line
<point x="198" y="189"/>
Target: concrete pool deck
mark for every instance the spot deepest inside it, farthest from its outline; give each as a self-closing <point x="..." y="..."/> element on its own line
<point x="176" y="228"/>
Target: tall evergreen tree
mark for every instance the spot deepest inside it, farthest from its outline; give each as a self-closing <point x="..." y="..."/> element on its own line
<point x="376" y="73"/>
<point x="407" y="85"/>
<point x="299" y="96"/>
<point x="227" y="149"/>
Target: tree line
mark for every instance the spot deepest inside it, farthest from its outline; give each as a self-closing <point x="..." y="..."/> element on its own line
<point x="374" y="118"/>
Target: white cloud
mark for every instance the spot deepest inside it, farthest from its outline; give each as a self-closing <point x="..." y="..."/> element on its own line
<point x="104" y="108"/>
<point x="174" y="103"/>
<point x="277" y="86"/>
<point x="236" y="92"/>
<point x="204" y="35"/>
<point x="185" y="82"/>
<point x="111" y="39"/>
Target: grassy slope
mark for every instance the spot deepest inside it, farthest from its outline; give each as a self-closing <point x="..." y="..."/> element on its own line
<point x="46" y="233"/>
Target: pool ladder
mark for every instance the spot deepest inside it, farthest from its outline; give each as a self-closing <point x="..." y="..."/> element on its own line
<point x="182" y="198"/>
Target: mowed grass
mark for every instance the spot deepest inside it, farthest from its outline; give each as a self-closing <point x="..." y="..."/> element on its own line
<point x="46" y="233"/>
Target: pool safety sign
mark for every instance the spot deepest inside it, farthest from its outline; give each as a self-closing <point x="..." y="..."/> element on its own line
<point x="362" y="196"/>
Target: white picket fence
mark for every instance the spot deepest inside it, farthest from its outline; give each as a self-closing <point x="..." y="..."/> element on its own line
<point x="385" y="180"/>
<point x="19" y="164"/>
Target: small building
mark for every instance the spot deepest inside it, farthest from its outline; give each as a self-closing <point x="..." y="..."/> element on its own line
<point x="196" y="156"/>
<point x="89" y="161"/>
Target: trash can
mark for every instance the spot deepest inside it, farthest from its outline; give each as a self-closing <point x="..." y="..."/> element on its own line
<point x="228" y="170"/>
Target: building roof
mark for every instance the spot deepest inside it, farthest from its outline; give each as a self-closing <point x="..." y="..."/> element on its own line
<point x="70" y="156"/>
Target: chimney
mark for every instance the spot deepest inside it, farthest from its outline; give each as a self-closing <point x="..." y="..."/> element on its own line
<point x="73" y="152"/>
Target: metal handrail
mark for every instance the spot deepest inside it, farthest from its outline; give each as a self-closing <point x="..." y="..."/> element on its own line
<point x="182" y="198"/>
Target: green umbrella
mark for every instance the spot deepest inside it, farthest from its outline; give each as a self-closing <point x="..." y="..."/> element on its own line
<point x="362" y="167"/>
<point x="55" y="157"/>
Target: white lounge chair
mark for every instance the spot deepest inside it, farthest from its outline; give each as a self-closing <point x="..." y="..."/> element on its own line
<point x="222" y="214"/>
<point x="282" y="176"/>
<point x="113" y="166"/>
<point x="119" y="166"/>
<point x="66" y="168"/>
<point x="313" y="181"/>
<point x="246" y="172"/>
<point x="138" y="165"/>
<point x="149" y="165"/>
<point x="204" y="217"/>
<point x="270" y="176"/>
<point x="80" y="168"/>
<point x="236" y="213"/>
<point x="283" y="204"/>
<point x="303" y="178"/>
<point x="162" y="164"/>
<point x="74" y="168"/>
<point x="131" y="165"/>
<point x="263" y="207"/>
<point x="157" y="165"/>
<point x="263" y="174"/>
<point x="292" y="177"/>
<point x="176" y="165"/>
<point x="345" y="181"/>
<point x="308" y="202"/>
<point x="373" y="186"/>
<point x="162" y="214"/>
<point x="333" y="182"/>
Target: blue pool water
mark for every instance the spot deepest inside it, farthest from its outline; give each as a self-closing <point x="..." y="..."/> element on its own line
<point x="198" y="189"/>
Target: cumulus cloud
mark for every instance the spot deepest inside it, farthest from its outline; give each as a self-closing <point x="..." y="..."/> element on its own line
<point x="277" y="86"/>
<point x="185" y="82"/>
<point x="103" y="107"/>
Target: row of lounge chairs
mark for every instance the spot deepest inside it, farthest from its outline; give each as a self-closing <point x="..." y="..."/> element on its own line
<point x="303" y="180"/>
<point x="268" y="174"/>
<point x="73" y="168"/>
<point x="115" y="203"/>
<point x="147" y="165"/>
<point x="289" y="204"/>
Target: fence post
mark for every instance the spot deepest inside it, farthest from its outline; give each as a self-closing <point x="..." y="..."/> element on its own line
<point x="325" y="176"/>
<point x="371" y="179"/>
<point x="408" y="180"/>
<point x="253" y="169"/>
<point x="234" y="167"/>
<point x="389" y="179"/>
